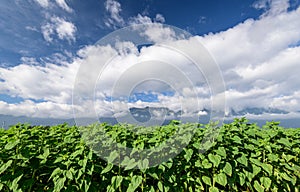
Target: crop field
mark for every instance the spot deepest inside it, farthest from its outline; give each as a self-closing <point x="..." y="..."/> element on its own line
<point x="243" y="157"/>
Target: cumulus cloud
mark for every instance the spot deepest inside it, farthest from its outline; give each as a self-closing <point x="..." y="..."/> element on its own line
<point x="50" y="4"/>
<point x="64" y="30"/>
<point x="259" y="60"/>
<point x="64" y="5"/>
<point x="113" y="8"/>
<point x="29" y="108"/>
<point x="115" y="20"/>
<point x="29" y="60"/>
<point x="272" y="7"/>
<point x="160" y="18"/>
<point x="43" y="3"/>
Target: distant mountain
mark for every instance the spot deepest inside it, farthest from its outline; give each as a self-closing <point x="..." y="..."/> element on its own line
<point x="256" y="111"/>
<point x="8" y="120"/>
<point x="157" y="115"/>
<point x="145" y="114"/>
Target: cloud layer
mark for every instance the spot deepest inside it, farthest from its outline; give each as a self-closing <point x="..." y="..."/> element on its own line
<point x="64" y="30"/>
<point x="259" y="60"/>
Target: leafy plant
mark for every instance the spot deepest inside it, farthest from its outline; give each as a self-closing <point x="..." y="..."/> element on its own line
<point x="244" y="157"/>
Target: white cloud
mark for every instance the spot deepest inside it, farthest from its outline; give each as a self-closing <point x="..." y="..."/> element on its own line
<point x="115" y="20"/>
<point x="140" y="19"/>
<point x="160" y="18"/>
<point x="52" y="82"/>
<point x="29" y="108"/>
<point x="30" y="28"/>
<point x="43" y="3"/>
<point x="47" y="31"/>
<point x="158" y="33"/>
<point x="272" y="7"/>
<point x="155" y="31"/>
<point x="65" y="30"/>
<point x="64" y="5"/>
<point x="113" y="8"/>
<point x="201" y="113"/>
<point x="259" y="60"/>
<point x="29" y="60"/>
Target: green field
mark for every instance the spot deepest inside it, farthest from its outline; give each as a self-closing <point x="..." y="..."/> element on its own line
<point x="243" y="157"/>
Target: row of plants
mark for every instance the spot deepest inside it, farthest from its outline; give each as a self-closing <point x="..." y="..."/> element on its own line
<point x="177" y="157"/>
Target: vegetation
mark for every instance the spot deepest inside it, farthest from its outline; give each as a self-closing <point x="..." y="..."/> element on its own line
<point x="244" y="157"/>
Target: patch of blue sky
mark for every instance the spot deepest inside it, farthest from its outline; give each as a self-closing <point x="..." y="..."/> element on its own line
<point x="294" y="45"/>
<point x="10" y="99"/>
<point x="168" y="93"/>
<point x="145" y="97"/>
<point x="139" y="47"/>
<point x="38" y="100"/>
<point x="15" y="99"/>
<point x="150" y="97"/>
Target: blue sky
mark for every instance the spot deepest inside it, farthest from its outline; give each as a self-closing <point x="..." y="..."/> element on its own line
<point x="43" y="43"/>
<point x="22" y="21"/>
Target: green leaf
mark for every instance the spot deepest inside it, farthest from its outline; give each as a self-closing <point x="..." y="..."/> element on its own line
<point x="215" y="159"/>
<point x="11" y="144"/>
<point x="58" y="160"/>
<point x="56" y="172"/>
<point x="243" y="160"/>
<point x="242" y="178"/>
<point x="206" y="164"/>
<point x="267" y="167"/>
<point x="59" y="184"/>
<point x="128" y="163"/>
<point x="206" y="180"/>
<point x="143" y="164"/>
<point x="112" y="156"/>
<point x="221" y="179"/>
<point x="44" y="155"/>
<point x="197" y="145"/>
<point x="213" y="189"/>
<point x="288" y="157"/>
<point x="160" y="186"/>
<point x="107" y="168"/>
<point x="110" y="188"/>
<point x="237" y="139"/>
<point x="266" y="182"/>
<point x="90" y="155"/>
<point x="69" y="175"/>
<point x="15" y="185"/>
<point x="116" y="181"/>
<point x="249" y="175"/>
<point x="221" y="151"/>
<point x="258" y="187"/>
<point x="273" y="157"/>
<point x="228" y="169"/>
<point x="136" y="180"/>
<point x="188" y="154"/>
<point x="168" y="164"/>
<point x="285" y="176"/>
<point x="198" y="163"/>
<point x="5" y="166"/>
<point x="256" y="170"/>
<point x="76" y="153"/>
<point x="285" y="142"/>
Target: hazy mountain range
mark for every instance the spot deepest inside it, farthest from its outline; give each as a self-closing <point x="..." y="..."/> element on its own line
<point x="143" y="115"/>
